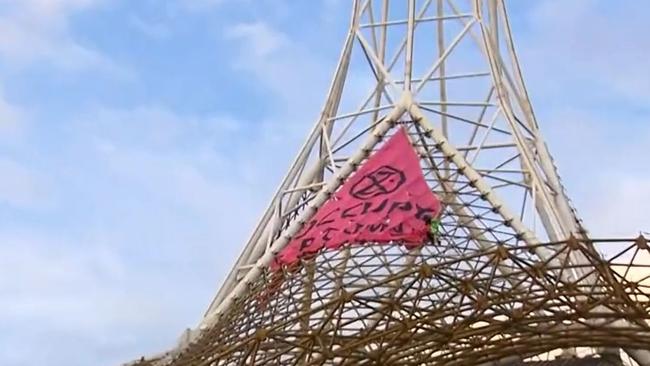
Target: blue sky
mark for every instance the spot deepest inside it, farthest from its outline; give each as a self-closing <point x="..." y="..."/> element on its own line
<point x="140" y="141"/>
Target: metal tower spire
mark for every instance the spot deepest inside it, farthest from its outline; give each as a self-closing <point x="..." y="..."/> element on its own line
<point x="452" y="65"/>
<point x="514" y="272"/>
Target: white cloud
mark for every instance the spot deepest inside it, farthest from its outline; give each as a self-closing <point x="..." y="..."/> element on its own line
<point x="147" y="191"/>
<point x="214" y="170"/>
<point x="22" y="187"/>
<point x="61" y="292"/>
<point x="13" y="121"/>
<point x="601" y="159"/>
<point x="38" y="31"/>
<point x="155" y="30"/>
<point x="201" y="4"/>
<point x="157" y="203"/>
<point x="589" y="43"/>
<point x="287" y="69"/>
<point x="587" y="71"/>
<point x="619" y="207"/>
<point x="260" y="40"/>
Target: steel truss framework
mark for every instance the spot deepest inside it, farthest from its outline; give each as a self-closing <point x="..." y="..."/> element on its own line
<point x="514" y="271"/>
<point x="448" y="303"/>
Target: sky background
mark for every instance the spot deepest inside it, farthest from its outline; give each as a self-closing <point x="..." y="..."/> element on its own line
<point x="140" y="140"/>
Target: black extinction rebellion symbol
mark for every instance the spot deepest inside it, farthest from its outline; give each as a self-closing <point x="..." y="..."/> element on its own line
<point x="381" y="181"/>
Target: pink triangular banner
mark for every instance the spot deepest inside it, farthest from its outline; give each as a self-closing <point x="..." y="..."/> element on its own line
<point x="386" y="200"/>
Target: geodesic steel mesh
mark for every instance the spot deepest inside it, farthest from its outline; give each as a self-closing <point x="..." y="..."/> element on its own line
<point x="445" y="303"/>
